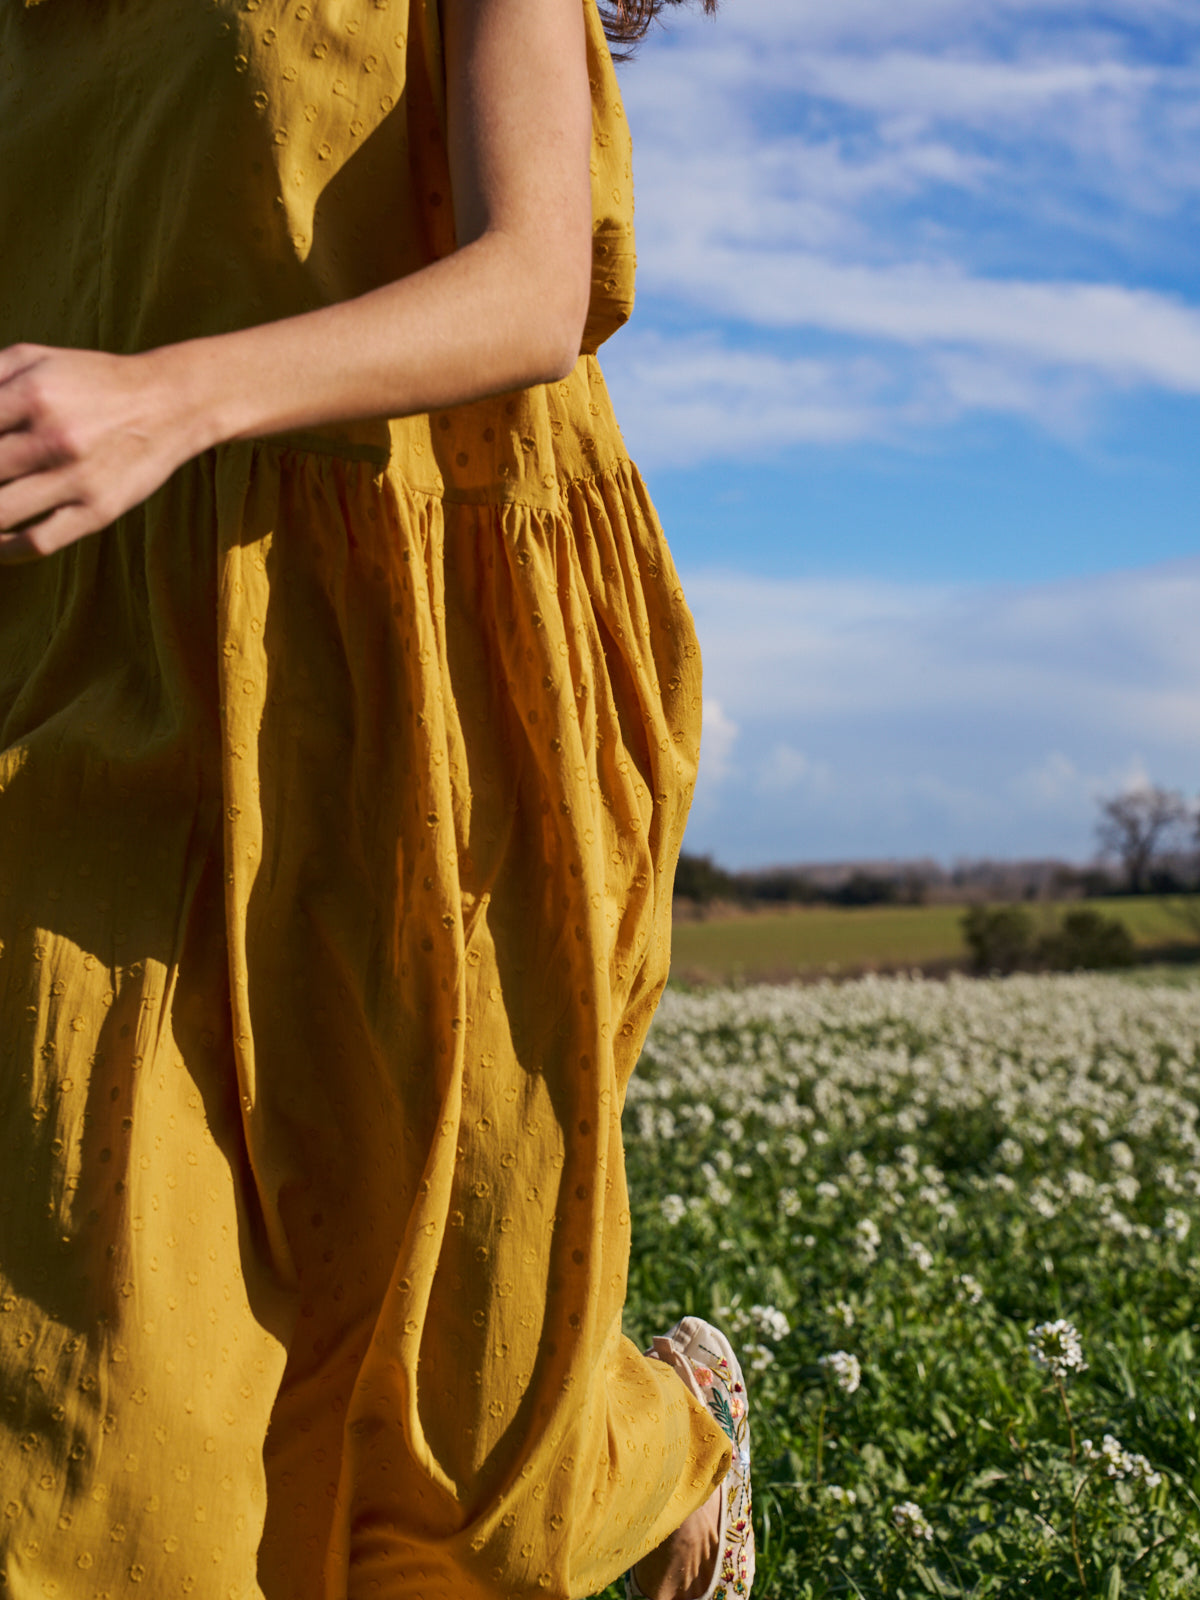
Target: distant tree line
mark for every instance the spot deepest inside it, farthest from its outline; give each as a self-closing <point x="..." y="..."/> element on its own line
<point x="1148" y="838"/>
<point x="698" y="878"/>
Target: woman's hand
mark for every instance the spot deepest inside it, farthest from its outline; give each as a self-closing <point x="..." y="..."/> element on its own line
<point x="83" y="437"/>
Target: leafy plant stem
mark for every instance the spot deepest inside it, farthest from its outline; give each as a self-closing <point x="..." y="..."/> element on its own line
<point x="1066" y="1405"/>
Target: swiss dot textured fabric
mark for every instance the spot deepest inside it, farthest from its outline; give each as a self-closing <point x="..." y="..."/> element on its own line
<point x="341" y="786"/>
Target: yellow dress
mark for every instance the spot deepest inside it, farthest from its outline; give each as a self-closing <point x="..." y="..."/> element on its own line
<point x="341" y="786"/>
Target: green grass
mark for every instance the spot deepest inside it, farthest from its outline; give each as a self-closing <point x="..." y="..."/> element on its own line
<point x="917" y="1174"/>
<point x="777" y="945"/>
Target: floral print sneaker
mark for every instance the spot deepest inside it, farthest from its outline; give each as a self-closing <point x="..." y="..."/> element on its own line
<point x="704" y="1360"/>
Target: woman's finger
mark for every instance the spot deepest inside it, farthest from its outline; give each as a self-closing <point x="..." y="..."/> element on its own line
<point x="14" y="406"/>
<point x="43" y="538"/>
<point x="15" y="362"/>
<point x="21" y="453"/>
<point x="36" y="495"/>
<point x="18" y="358"/>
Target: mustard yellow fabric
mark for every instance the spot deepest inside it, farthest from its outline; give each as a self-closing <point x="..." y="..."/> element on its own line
<point x="341" y="786"/>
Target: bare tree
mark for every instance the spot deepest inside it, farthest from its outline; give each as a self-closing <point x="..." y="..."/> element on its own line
<point x="1138" y="825"/>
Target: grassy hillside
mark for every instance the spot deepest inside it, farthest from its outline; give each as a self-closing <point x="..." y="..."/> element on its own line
<point x="807" y="941"/>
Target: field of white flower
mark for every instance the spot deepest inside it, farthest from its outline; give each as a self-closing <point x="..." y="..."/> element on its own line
<point x="951" y="1228"/>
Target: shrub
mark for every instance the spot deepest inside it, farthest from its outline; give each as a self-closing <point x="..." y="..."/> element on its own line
<point x="1086" y="940"/>
<point x="1000" y="938"/>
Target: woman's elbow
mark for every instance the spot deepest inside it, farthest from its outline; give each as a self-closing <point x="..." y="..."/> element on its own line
<point x="559" y="317"/>
<point x="561" y="359"/>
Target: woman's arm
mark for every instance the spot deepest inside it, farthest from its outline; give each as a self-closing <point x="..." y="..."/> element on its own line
<point x="84" y="435"/>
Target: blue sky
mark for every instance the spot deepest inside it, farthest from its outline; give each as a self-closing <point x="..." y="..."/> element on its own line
<point x="914" y="377"/>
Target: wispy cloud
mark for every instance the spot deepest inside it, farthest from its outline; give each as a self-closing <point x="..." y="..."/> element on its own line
<point x="897" y="216"/>
<point x="1128" y="334"/>
<point x="941" y="719"/>
<point x="684" y="399"/>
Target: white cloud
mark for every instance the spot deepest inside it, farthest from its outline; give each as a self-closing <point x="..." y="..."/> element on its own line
<point x="683" y="400"/>
<point x="880" y="718"/>
<point x="945" y="208"/>
<point x="787" y="769"/>
<point x="966" y="88"/>
<point x="1120" y="649"/>
<point x="717" y="741"/>
<point x="1131" y="335"/>
<point x="689" y="399"/>
<point x="815" y="23"/>
<point x="1054" y="780"/>
<point x="1056" y="784"/>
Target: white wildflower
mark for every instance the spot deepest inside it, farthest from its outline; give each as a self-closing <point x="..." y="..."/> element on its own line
<point x="674" y="1209"/>
<point x="770" y="1323"/>
<point x="840" y="1496"/>
<point x="1056" y="1347"/>
<point x="1117" y="1222"/>
<point x="841" y="1311"/>
<point x="868" y="1239"/>
<point x="1120" y="1154"/>
<point x="757" y="1357"/>
<point x="1110" y="1455"/>
<point x="845" y="1370"/>
<point x="794" y="1148"/>
<point x="827" y="1190"/>
<point x="910" y="1520"/>
<point x="1010" y="1152"/>
<point x="1127" y="1187"/>
<point x="1176" y="1224"/>
<point x="920" y="1255"/>
<point x="969" y="1289"/>
<point x="1142" y="1470"/>
<point x="1115" y="1461"/>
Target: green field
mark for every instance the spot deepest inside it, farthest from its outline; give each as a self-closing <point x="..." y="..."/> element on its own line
<point x="953" y="1229"/>
<point x="809" y="941"/>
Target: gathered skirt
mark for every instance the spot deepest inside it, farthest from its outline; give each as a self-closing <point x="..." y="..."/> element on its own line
<point x="337" y="832"/>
